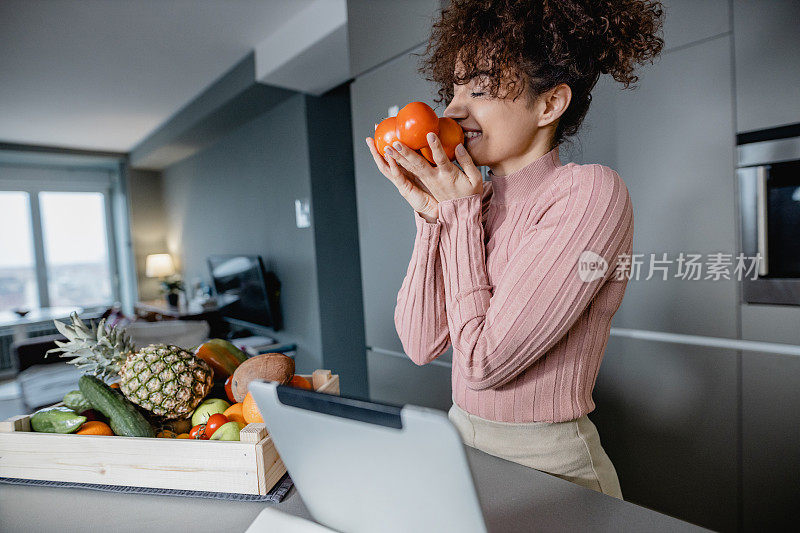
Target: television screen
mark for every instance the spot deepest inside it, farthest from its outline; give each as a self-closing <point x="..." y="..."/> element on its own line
<point x="245" y="290"/>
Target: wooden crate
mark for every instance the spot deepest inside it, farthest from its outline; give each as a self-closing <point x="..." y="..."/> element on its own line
<point x="249" y="466"/>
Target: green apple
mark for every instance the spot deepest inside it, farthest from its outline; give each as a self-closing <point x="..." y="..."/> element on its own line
<point x="208" y="408"/>
<point x="228" y="431"/>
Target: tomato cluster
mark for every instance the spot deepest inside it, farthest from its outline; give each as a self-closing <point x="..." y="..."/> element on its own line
<point x="204" y="431"/>
<point x="411" y="127"/>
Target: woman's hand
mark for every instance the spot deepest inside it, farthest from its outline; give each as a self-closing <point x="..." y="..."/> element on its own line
<point x="445" y="181"/>
<point x="415" y="193"/>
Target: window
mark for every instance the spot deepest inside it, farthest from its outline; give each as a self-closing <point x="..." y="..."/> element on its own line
<point x="56" y="239"/>
<point x="17" y="263"/>
<point x="76" y="248"/>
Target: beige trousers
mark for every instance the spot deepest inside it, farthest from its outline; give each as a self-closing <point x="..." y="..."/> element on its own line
<point x="570" y="450"/>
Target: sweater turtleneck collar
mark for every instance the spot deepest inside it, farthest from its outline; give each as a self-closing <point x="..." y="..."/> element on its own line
<point x="523" y="183"/>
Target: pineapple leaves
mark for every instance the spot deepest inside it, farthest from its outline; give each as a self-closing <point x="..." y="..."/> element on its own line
<point x="95" y="349"/>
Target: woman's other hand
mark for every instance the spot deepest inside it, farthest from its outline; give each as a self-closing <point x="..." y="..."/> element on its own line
<point x="444" y="180"/>
<point x="415" y="193"/>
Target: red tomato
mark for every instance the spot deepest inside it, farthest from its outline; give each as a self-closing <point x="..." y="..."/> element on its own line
<point x="414" y="122"/>
<point x="199" y="432"/>
<point x="450" y="135"/>
<point x="214" y="422"/>
<point x="385" y="134"/>
<point x="229" y="390"/>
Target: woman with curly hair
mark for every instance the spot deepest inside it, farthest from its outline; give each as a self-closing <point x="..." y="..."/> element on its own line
<point x="523" y="273"/>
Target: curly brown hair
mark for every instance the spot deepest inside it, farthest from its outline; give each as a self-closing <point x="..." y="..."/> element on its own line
<point x="539" y="44"/>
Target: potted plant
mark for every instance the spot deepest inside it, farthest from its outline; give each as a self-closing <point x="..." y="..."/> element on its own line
<point x="172" y="287"/>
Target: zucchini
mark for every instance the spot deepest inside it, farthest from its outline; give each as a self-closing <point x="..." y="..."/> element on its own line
<point x="123" y="416"/>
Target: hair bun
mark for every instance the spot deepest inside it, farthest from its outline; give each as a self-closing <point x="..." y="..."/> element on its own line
<point x="542" y="43"/>
<point x="611" y="36"/>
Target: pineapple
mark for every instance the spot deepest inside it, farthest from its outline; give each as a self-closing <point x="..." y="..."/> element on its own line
<point x="165" y="380"/>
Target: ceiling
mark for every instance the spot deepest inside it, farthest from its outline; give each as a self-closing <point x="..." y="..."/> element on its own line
<point x="103" y="74"/>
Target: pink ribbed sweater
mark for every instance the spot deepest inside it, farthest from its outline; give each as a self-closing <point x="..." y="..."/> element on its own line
<point x="497" y="275"/>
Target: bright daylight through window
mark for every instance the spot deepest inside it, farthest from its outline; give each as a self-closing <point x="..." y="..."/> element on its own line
<point x="74" y="237"/>
<point x="17" y="263"/>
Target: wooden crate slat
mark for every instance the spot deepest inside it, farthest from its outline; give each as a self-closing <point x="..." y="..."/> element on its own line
<point x="16" y="423"/>
<point x="253" y="433"/>
<point x="161" y="463"/>
<point x="269" y="465"/>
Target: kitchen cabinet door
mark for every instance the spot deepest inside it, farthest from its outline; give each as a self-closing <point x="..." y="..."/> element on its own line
<point x="767" y="63"/>
<point x="771" y="323"/>
<point x="398" y="380"/>
<point x="667" y="417"/>
<point x="671" y="140"/>
<point x="770" y="436"/>
<point x="379" y="30"/>
<point x="386" y="221"/>
<point x="688" y="21"/>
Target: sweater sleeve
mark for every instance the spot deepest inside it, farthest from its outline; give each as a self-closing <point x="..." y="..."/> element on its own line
<point x="419" y="316"/>
<point x="498" y="331"/>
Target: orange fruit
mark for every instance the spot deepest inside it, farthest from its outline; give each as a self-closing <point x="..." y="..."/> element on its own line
<point x="300" y="382"/>
<point x="234" y="414"/>
<point x="166" y="434"/>
<point x="95" y="427"/>
<point x="250" y="410"/>
<point x="183" y="436"/>
<point x="114" y="385"/>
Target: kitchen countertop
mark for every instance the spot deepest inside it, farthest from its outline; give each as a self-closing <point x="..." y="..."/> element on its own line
<point x="513" y="497"/>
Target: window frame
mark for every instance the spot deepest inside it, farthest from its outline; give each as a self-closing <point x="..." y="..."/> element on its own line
<point x="34" y="180"/>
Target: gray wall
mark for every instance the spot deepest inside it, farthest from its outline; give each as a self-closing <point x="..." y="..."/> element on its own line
<point x="148" y="225"/>
<point x="341" y="304"/>
<point x="237" y="197"/>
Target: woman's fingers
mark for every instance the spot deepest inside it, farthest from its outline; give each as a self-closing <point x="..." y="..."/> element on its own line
<point x="379" y="160"/>
<point x="419" y="200"/>
<point x="412" y="161"/>
<point x="472" y="172"/>
<point x="437" y="150"/>
<point x="410" y="188"/>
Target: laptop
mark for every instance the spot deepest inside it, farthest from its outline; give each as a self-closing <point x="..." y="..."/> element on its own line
<point x="363" y="466"/>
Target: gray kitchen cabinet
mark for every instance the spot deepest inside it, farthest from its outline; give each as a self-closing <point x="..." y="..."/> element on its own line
<point x="771" y="323"/>
<point x="770" y="433"/>
<point x="386" y="221"/>
<point x="687" y="21"/>
<point x="671" y="140"/>
<point x="667" y="417"/>
<point x="398" y="380"/>
<point x="386" y="240"/>
<point x="379" y="30"/>
<point x="767" y="42"/>
<point x="667" y="413"/>
<point x="770" y="419"/>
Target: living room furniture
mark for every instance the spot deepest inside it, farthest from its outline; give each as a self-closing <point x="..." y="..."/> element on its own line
<point x="159" y="310"/>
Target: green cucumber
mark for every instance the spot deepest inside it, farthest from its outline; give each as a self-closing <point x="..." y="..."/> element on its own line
<point x="56" y="420"/>
<point x="75" y="400"/>
<point x="123" y="416"/>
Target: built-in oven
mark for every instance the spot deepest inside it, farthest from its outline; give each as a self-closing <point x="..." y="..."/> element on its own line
<point x="768" y="172"/>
